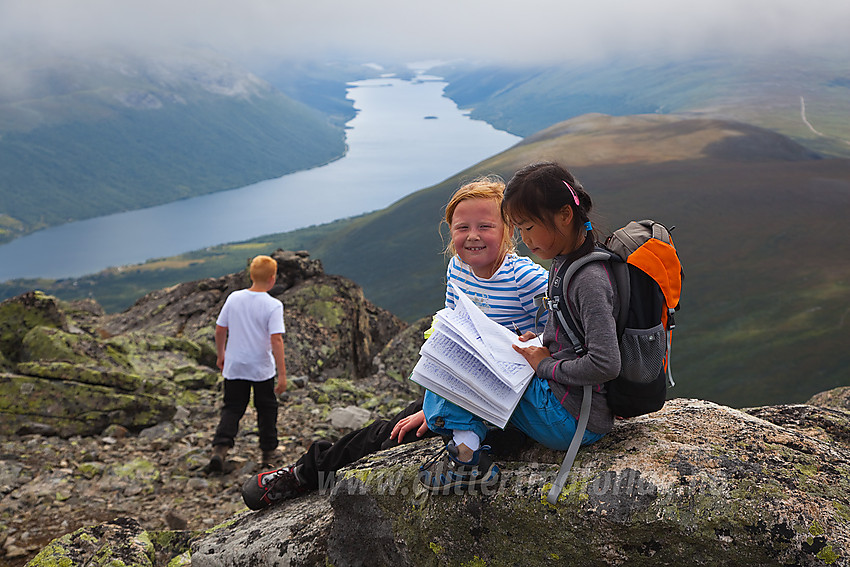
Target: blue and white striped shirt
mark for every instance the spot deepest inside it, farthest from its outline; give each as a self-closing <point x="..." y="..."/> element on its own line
<point x="507" y="297"/>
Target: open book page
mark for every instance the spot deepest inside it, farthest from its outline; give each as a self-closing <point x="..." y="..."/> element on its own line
<point x="448" y="332"/>
<point x="470" y="361"/>
<point x="436" y="378"/>
<point x="491" y="340"/>
<point x="496" y="338"/>
<point x="467" y="367"/>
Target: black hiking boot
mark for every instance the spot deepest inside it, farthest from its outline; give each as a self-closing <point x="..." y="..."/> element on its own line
<point x="265" y="489"/>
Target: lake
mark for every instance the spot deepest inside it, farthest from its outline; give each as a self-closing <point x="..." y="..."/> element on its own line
<point x="406" y="136"/>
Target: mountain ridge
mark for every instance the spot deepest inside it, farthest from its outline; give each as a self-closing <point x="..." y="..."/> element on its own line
<point x="785" y="92"/>
<point x="87" y="136"/>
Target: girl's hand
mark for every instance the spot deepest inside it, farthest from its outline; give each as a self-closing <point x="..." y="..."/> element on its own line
<point x="409" y="423"/>
<point x="527" y="336"/>
<point x="533" y="354"/>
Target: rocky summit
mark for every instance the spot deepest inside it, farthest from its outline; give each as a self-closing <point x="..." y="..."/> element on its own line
<point x="107" y="421"/>
<point x="105" y="416"/>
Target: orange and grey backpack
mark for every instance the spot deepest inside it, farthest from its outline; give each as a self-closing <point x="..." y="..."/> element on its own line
<point x="648" y="276"/>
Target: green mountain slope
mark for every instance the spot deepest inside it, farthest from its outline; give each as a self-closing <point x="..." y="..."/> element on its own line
<point x="320" y="84"/>
<point x="80" y="138"/>
<point x="803" y="96"/>
<point x="760" y="227"/>
<point x="766" y="297"/>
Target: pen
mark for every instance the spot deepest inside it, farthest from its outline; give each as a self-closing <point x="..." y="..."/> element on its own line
<point x="516" y="330"/>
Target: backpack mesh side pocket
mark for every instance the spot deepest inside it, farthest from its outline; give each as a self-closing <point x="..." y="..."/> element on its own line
<point x="642" y="353"/>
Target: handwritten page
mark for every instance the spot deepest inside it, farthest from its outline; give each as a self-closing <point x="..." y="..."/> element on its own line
<point x="491" y="340"/>
<point x="470" y="361"/>
<point x="467" y="367"/>
<point x="436" y="378"/>
<point x="496" y="338"/>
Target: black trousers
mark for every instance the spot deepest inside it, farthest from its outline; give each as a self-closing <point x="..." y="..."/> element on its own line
<point x="237" y="394"/>
<point x="318" y="465"/>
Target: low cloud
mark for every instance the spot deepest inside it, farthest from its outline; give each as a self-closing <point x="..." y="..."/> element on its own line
<point x="529" y="31"/>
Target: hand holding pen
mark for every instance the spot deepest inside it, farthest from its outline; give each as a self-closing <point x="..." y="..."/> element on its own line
<point x="527" y="336"/>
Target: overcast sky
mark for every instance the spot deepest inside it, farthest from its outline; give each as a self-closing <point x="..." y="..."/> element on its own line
<point x="519" y="30"/>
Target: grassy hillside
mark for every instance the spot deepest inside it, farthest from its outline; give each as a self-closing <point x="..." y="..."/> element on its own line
<point x="759" y="224"/>
<point x="118" y="288"/>
<point x="83" y="139"/>
<point x="767" y="291"/>
<point x="768" y="91"/>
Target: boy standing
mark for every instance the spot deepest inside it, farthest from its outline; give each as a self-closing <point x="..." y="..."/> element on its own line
<point x="249" y="344"/>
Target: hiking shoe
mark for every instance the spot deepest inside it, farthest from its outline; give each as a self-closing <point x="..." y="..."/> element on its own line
<point x="216" y="465"/>
<point x="265" y="489"/>
<point x="218" y="460"/>
<point x="453" y="475"/>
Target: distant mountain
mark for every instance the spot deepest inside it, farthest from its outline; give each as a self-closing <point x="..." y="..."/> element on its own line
<point x="322" y="84"/>
<point x="803" y="96"/>
<point x="90" y="134"/>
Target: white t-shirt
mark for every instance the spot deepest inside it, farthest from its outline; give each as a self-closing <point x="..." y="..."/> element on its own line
<point x="251" y="318"/>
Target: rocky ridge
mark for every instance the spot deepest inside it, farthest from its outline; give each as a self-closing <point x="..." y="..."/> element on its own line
<point x="103" y="416"/>
<point x="715" y="485"/>
<point x="695" y="483"/>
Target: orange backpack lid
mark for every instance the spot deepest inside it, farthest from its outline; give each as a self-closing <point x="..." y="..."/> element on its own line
<point x="660" y="261"/>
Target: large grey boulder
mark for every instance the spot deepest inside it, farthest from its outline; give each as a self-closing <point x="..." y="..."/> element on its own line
<point x="295" y="535"/>
<point x="695" y="483"/>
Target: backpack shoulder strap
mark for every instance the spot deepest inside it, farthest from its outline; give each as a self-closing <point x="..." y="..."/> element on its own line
<point x="572" y="450"/>
<point x="622" y="287"/>
<point x="558" y="300"/>
<point x="558" y="304"/>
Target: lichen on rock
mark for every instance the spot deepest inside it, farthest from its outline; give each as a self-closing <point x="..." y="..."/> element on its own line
<point x="29" y="404"/>
<point x="694" y="480"/>
<point x="837" y="398"/>
<point x="120" y="542"/>
<point x="20" y="314"/>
